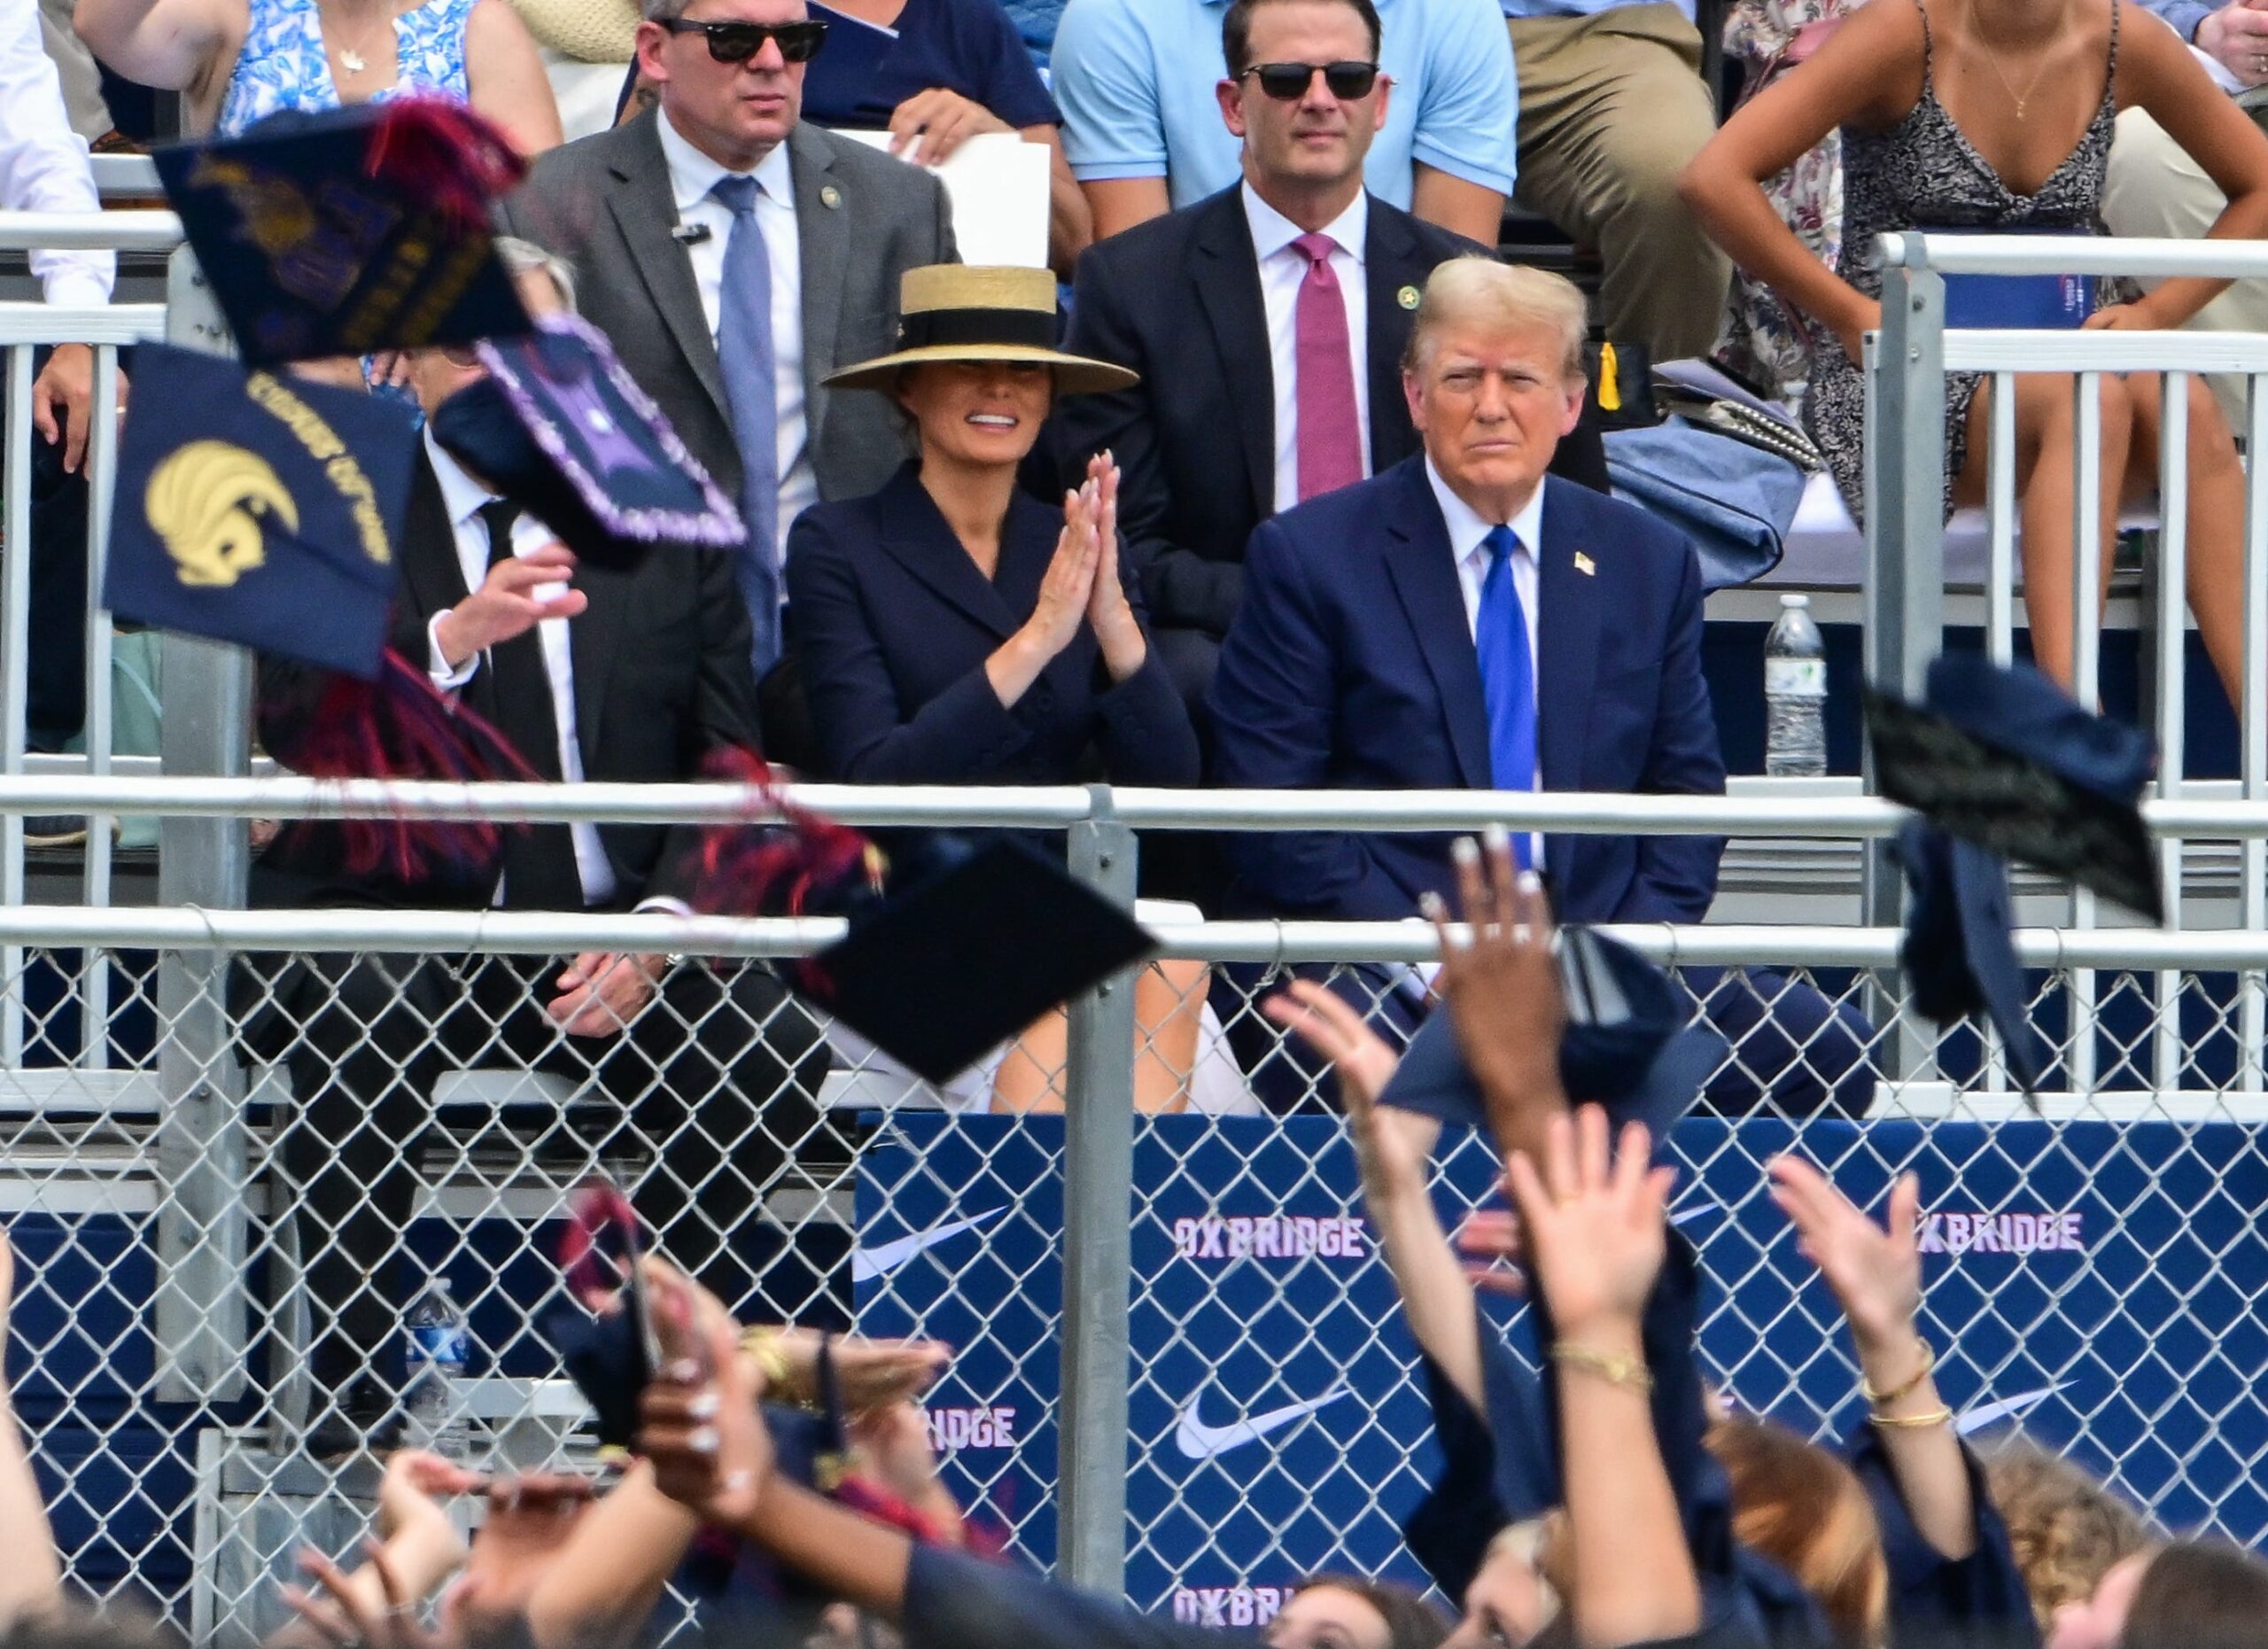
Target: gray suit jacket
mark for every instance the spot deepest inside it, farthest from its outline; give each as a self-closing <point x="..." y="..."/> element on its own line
<point x="604" y="203"/>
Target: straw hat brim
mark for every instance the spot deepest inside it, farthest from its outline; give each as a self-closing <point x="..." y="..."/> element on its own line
<point x="1075" y="375"/>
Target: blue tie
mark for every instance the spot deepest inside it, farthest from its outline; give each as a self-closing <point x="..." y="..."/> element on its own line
<point x="744" y="355"/>
<point x="1507" y="677"/>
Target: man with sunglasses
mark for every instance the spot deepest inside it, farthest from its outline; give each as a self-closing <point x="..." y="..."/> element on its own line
<point x="735" y="257"/>
<point x="1143" y="133"/>
<point x="1266" y="323"/>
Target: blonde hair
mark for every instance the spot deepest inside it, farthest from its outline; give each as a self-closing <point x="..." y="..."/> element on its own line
<point x="1476" y="289"/>
<point x="2067" y="1530"/>
<point x="1805" y="1510"/>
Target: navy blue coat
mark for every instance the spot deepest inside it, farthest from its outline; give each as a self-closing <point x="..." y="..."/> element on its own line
<point x="891" y="625"/>
<point x="1351" y="666"/>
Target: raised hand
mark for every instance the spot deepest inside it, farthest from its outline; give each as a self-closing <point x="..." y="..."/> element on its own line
<point x="701" y="1427"/>
<point x="1502" y="984"/>
<point x="529" y="1520"/>
<point x="1069" y="583"/>
<point x="347" y="1618"/>
<point x="1594" y="1222"/>
<point x="1875" y="1271"/>
<point x="1117" y="632"/>
<point x="873" y="1373"/>
<point x="1391" y="1145"/>
<point x="410" y="1492"/>
<point x="506" y="605"/>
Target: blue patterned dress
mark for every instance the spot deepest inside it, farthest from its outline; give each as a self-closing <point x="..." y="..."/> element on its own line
<point x="282" y="65"/>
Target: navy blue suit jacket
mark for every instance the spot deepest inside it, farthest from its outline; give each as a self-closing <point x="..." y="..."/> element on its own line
<point x="1351" y="666"/>
<point x="892" y="623"/>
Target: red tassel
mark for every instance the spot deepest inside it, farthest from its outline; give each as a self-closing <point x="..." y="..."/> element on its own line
<point x="777" y="863"/>
<point x="446" y="153"/>
<point x="400" y="727"/>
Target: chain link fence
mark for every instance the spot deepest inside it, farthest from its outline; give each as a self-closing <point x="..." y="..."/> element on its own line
<point x="2098" y="1278"/>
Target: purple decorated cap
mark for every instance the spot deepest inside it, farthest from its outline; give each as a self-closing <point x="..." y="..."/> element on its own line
<point x="558" y="425"/>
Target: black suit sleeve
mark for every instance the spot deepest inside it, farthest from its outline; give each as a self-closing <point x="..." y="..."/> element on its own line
<point x="723" y="712"/>
<point x="1185" y="588"/>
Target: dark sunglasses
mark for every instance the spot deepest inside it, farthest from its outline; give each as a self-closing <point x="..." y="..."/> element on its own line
<point x="1288" y="83"/>
<point x="737" y="43"/>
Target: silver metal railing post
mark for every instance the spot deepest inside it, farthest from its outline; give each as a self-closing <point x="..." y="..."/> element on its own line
<point x="1098" y="1241"/>
<point x="202" y="1160"/>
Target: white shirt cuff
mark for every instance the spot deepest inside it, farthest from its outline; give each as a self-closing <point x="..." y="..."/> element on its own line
<point x="436" y="665"/>
<point x="77" y="288"/>
<point x="663" y="902"/>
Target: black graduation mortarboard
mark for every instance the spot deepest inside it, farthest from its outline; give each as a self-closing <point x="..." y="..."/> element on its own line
<point x="260" y="509"/>
<point x="1957" y="954"/>
<point x="1627" y="1045"/>
<point x="964" y="947"/>
<point x="559" y="427"/>
<point x="351" y="230"/>
<point x="2001" y="757"/>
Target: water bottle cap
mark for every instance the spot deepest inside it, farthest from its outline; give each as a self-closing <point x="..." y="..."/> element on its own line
<point x="1793" y="600"/>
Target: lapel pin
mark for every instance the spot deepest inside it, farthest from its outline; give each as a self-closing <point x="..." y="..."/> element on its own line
<point x="1585" y="565"/>
<point x="1407" y="297"/>
<point x="830" y="196"/>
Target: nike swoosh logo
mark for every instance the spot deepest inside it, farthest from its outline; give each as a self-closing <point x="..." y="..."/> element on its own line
<point x="884" y="1257"/>
<point x="1699" y="1210"/>
<point x="1969" y="1421"/>
<point x="1197" y="1441"/>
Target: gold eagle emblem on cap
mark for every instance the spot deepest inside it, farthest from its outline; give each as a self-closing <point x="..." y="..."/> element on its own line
<point x="207" y="503"/>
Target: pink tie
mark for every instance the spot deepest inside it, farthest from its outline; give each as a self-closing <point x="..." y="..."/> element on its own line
<point x="1330" y="434"/>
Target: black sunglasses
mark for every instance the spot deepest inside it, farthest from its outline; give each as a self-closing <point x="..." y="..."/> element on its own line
<point x="737" y="43"/>
<point x="1288" y="83"/>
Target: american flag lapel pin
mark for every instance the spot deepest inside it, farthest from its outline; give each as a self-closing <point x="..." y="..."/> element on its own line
<point x="1585" y="565"/>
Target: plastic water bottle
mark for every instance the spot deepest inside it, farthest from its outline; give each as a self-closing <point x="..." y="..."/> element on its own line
<point x="439" y="1342"/>
<point x="1795" y="694"/>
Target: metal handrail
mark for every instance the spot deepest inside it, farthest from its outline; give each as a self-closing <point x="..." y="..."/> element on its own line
<point x="2072" y="254"/>
<point x="90" y="231"/>
<point x="1034" y="806"/>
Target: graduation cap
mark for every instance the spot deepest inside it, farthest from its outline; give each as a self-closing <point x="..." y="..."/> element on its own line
<point x="351" y="230"/>
<point x="954" y="947"/>
<point x="1957" y="954"/>
<point x="1627" y="1045"/>
<point x="558" y="426"/>
<point x="260" y="509"/>
<point x="2001" y="757"/>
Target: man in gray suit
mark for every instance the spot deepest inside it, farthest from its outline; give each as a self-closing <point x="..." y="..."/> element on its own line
<point x="735" y="257"/>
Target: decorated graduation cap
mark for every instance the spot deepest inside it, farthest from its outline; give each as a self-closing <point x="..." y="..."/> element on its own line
<point x="263" y="509"/>
<point x="1627" y="1044"/>
<point x="2002" y="764"/>
<point x="258" y="509"/>
<point x="954" y="946"/>
<point x="558" y="425"/>
<point x="351" y="230"/>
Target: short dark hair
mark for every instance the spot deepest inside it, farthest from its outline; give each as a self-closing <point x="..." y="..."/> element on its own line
<point x="1235" y="30"/>
<point x="1411" y="1621"/>
<point x="2198" y="1594"/>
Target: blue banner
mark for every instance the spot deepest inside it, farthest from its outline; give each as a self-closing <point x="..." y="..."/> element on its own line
<point x="2098" y="1282"/>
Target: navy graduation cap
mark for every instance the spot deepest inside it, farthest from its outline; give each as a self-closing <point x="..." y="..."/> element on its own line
<point x="558" y="426"/>
<point x="351" y="230"/>
<point x="1957" y="954"/>
<point x="2000" y="756"/>
<point x="259" y="509"/>
<point x="1627" y="1045"/>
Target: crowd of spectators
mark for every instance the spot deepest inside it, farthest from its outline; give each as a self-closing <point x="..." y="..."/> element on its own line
<point x="1308" y="493"/>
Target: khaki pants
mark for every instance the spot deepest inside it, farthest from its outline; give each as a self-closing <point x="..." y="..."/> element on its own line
<point x="2155" y="189"/>
<point x="74" y="67"/>
<point x="1612" y="108"/>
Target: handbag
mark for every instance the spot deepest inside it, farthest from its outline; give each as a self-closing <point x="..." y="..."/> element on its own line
<point x="1736" y="502"/>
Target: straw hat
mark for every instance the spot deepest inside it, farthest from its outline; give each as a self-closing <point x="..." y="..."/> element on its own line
<point x="956" y="312"/>
<point x="589" y="31"/>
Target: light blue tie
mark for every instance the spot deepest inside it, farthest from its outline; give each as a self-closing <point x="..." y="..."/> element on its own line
<point x="744" y="355"/>
<point x="1507" y="677"/>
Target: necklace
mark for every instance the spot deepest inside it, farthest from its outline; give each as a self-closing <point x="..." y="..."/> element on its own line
<point x="1993" y="62"/>
<point x="350" y="58"/>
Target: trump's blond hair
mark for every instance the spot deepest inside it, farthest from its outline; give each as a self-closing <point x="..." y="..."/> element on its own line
<point x="1477" y="291"/>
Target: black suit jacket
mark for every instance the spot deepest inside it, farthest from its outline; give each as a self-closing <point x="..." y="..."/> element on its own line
<point x="1177" y="300"/>
<point x="660" y="659"/>
<point x="893" y="622"/>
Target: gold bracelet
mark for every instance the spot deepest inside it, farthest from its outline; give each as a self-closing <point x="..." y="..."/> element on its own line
<point x="763" y="1344"/>
<point x="1903" y="1422"/>
<point x="1617" y="1368"/>
<point x="1883" y="1400"/>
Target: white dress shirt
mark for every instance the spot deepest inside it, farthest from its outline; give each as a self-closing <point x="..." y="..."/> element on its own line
<point x="692" y="176"/>
<point x="43" y="165"/>
<point x="1467" y="535"/>
<point x="463" y="496"/>
<point x="1283" y="266"/>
